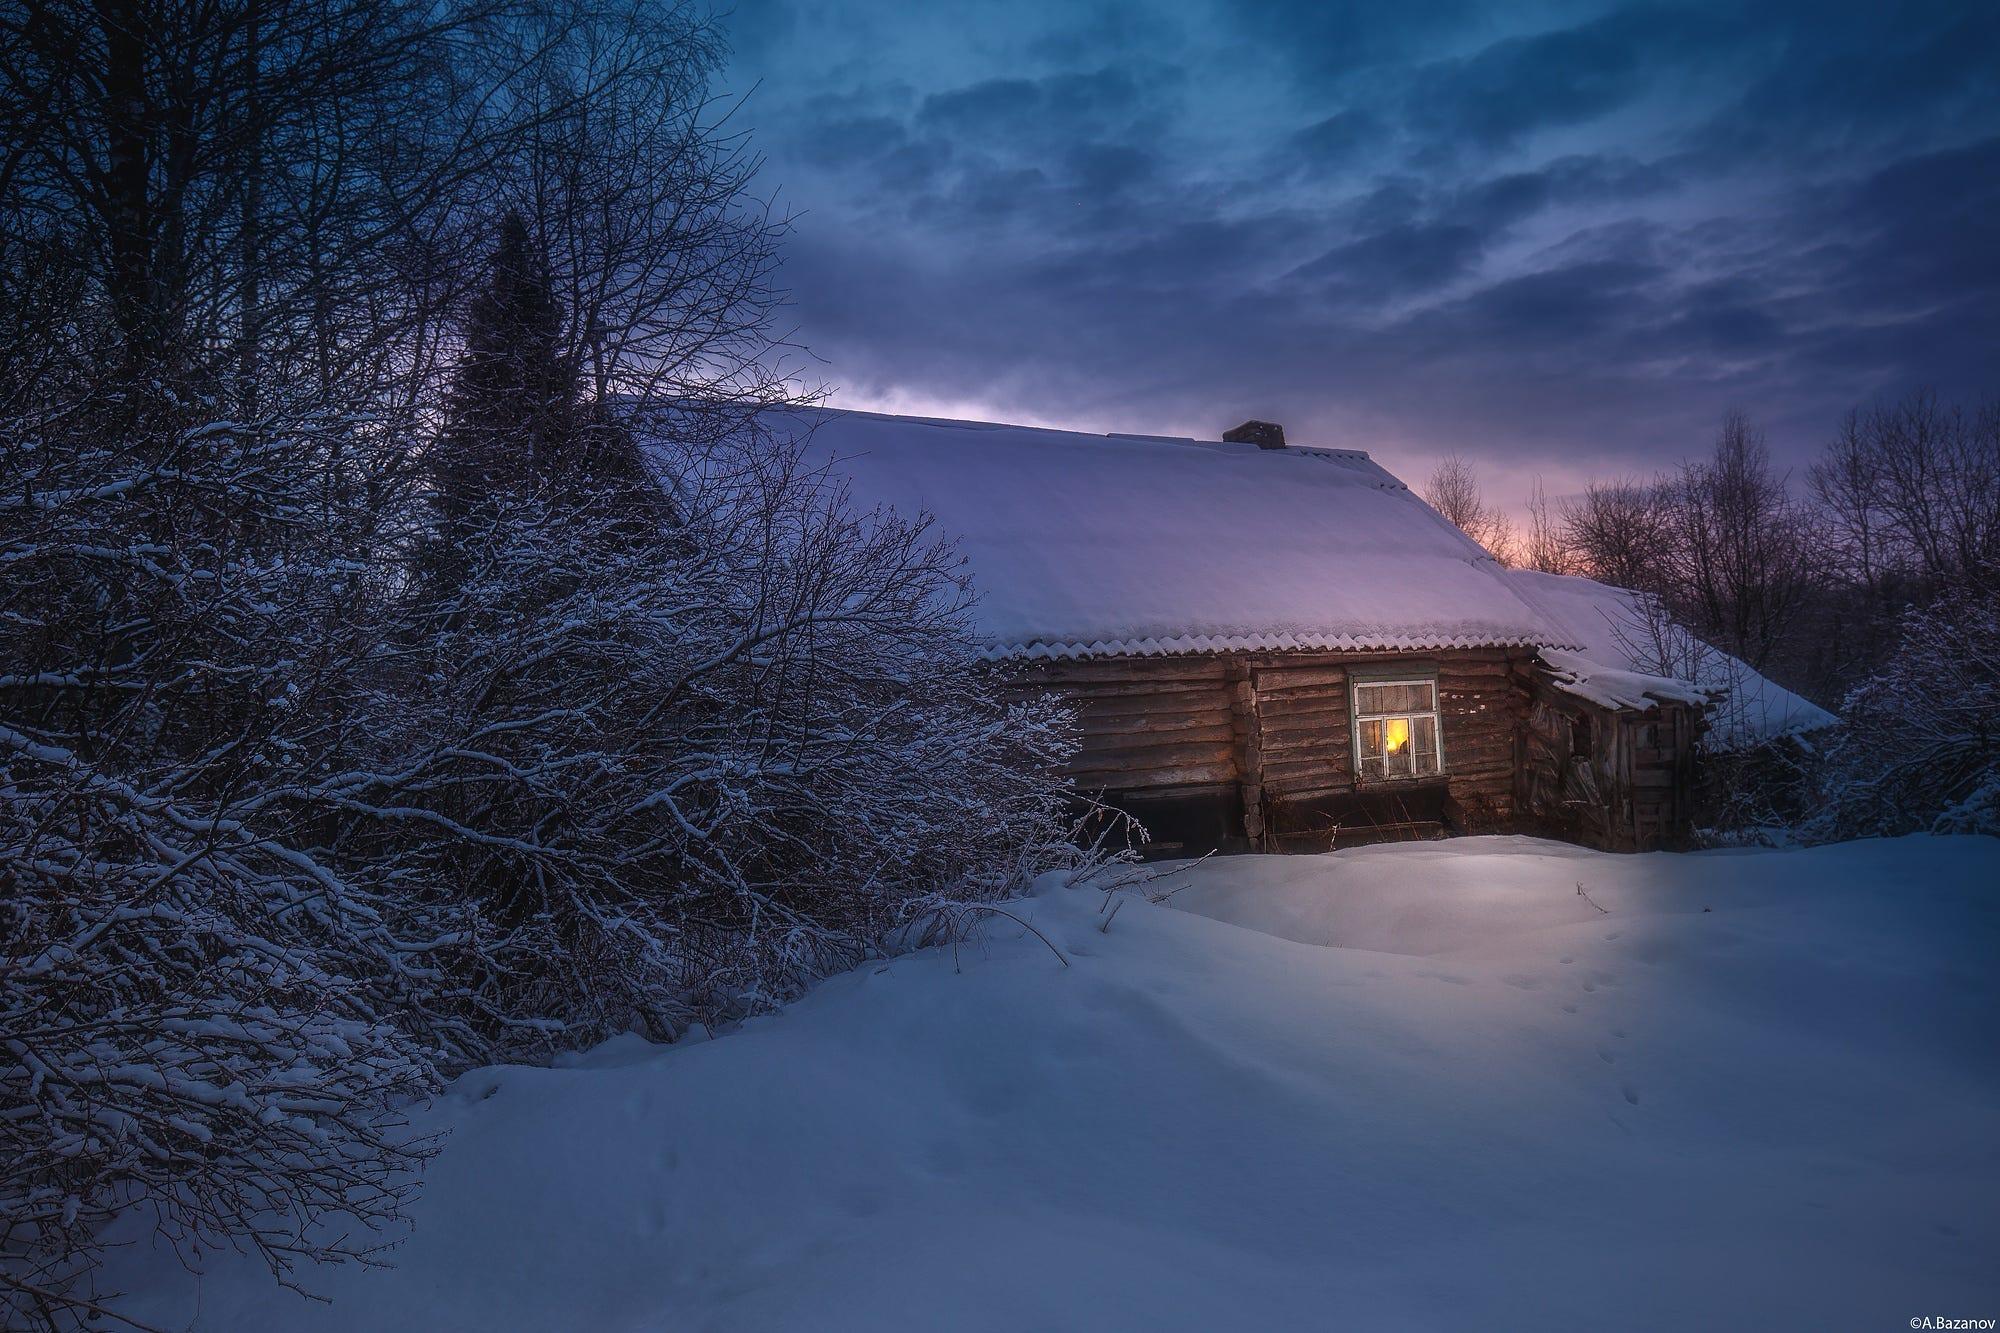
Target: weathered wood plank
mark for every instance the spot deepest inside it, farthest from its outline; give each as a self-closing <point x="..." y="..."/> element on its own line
<point x="1169" y="750"/>
<point x="1153" y="701"/>
<point x="1114" y="689"/>
<point x="1293" y="745"/>
<point x="1305" y="713"/>
<point x="1143" y="779"/>
<point x="1112" y="671"/>
<point x="1286" y="769"/>
<point x="1300" y="677"/>
<point x="1189" y="726"/>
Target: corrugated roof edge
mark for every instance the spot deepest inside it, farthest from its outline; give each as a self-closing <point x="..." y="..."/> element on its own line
<point x="1186" y="644"/>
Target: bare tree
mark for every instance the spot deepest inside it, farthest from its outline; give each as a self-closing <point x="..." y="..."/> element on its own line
<point x="1618" y="533"/>
<point x="1915" y="488"/>
<point x="284" y="828"/>
<point x="640" y="195"/>
<point x="224" y="218"/>
<point x="1544" y="547"/>
<point x="1740" y="558"/>
<point x="1453" y="490"/>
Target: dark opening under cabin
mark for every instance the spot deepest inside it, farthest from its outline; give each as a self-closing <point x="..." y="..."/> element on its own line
<point x="1276" y="648"/>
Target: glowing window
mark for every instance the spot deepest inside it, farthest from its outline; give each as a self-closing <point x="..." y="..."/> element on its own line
<point x="1396" y="732"/>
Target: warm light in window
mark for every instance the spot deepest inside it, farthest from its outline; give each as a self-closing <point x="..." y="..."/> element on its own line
<point x="1399" y="735"/>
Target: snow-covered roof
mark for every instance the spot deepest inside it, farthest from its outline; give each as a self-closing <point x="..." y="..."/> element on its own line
<point x="1085" y="545"/>
<point x="1628" y="659"/>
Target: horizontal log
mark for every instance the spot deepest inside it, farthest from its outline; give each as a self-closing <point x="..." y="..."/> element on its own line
<point x="1333" y="745"/>
<point x="1301" y="704"/>
<point x="1145" y="685"/>
<point x="1185" y="726"/>
<point x="1474" y="665"/>
<point x="1119" y="670"/>
<point x="1463" y="750"/>
<point x="1307" y="727"/>
<point x="1302" y="701"/>
<point x="1189" y="775"/>
<point x="1299" y="677"/>
<point x="1479" y="726"/>
<point x="1288" y="770"/>
<point x="1500" y="704"/>
<point x="1166" y="749"/>
<point x="1474" y="761"/>
<point x="1151" y="700"/>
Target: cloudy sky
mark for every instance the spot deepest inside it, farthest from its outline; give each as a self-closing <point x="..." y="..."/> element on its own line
<point x="1558" y="237"/>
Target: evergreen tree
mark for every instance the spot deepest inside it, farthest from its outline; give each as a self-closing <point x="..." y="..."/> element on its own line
<point x="513" y="413"/>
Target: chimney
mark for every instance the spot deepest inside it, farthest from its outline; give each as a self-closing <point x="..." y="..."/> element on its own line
<point x="1263" y="434"/>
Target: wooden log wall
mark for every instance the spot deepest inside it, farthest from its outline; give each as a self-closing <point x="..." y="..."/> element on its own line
<point x="1276" y="727"/>
<point x="1149" y="722"/>
<point x="1305" y="746"/>
<point x="1631" y="787"/>
<point x="1483" y="696"/>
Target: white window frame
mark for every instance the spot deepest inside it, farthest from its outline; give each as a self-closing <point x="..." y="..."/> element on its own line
<point x="1355" y="717"/>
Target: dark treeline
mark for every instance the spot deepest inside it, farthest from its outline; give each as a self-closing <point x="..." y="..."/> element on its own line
<point x="1806" y="579"/>
<point x="1870" y="584"/>
<point x="415" y="648"/>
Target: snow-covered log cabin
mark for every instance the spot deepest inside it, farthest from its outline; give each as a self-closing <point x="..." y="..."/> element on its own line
<point x="1276" y="647"/>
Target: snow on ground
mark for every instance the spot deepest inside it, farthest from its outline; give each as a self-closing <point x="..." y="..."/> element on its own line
<point x="1413" y="1087"/>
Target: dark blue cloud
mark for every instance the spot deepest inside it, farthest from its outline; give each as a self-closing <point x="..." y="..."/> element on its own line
<point x="1559" y="235"/>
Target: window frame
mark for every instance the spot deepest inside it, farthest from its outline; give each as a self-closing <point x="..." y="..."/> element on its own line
<point x="1355" y="717"/>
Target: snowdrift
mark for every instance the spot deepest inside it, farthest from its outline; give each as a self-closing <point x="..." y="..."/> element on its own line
<point x="1412" y="1086"/>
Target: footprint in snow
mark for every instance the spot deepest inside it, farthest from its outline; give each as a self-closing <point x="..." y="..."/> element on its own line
<point x="1631" y="1093"/>
<point x="1606" y="1054"/>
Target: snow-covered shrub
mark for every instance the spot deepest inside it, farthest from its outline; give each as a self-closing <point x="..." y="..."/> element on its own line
<point x="197" y="1011"/>
<point x="1921" y="748"/>
<point x="293" y="812"/>
<point x="680" y="769"/>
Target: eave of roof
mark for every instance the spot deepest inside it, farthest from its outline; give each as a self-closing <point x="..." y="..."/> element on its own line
<point x="1202" y="644"/>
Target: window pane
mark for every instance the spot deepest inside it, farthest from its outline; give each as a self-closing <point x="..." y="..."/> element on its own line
<point x="1393" y="698"/>
<point x="1426" y="744"/>
<point x="1371" y="769"/>
<point x="1371" y="740"/>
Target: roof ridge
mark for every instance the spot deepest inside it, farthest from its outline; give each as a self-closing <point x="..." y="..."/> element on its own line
<point x="974" y="423"/>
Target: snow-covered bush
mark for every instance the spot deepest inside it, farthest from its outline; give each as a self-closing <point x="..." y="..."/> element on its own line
<point x="196" y="1008"/>
<point x="678" y="770"/>
<point x="1921" y="746"/>
<point x="308" y="789"/>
